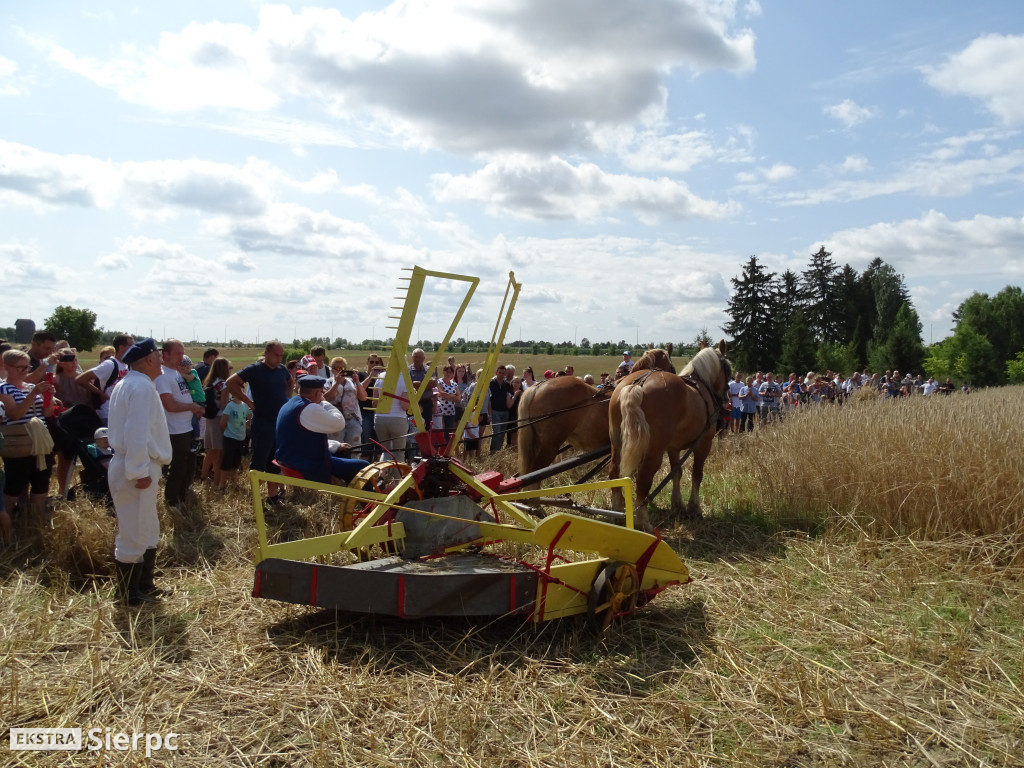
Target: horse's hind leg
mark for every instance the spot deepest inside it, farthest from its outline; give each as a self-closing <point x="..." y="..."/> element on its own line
<point x="618" y="501"/>
<point x="643" y="480"/>
<point x="676" y="472"/>
<point x="700" y="455"/>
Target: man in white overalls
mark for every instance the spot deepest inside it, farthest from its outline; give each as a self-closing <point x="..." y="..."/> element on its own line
<point x="138" y="434"/>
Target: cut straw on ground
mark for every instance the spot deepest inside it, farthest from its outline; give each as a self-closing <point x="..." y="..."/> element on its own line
<point x="857" y="601"/>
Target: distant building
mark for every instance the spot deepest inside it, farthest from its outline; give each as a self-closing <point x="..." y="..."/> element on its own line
<point x="23" y="330"/>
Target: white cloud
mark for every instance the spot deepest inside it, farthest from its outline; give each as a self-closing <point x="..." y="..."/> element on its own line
<point x="293" y="230"/>
<point x="756" y="180"/>
<point x="990" y="69"/>
<point x="555" y="189"/>
<point x="676" y="153"/>
<point x="129" y="250"/>
<point x="9" y="85"/>
<point x="26" y="269"/>
<point x="928" y="176"/>
<point x="778" y="171"/>
<point x="933" y="244"/>
<point x="30" y="177"/>
<point x="150" y="248"/>
<point x="431" y="73"/>
<point x="163" y="187"/>
<point x="651" y="150"/>
<point x="206" y="65"/>
<point x="237" y="262"/>
<point x="113" y="261"/>
<point x="849" y="113"/>
<point x="854" y="164"/>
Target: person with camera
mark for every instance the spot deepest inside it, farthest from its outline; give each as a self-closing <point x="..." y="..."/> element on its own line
<point x="771" y="396"/>
<point x="28" y="464"/>
<point x="348" y="394"/>
<point x="367" y="407"/>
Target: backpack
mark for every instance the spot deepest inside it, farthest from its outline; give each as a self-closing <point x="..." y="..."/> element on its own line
<point x="96" y="400"/>
<point x="212" y="405"/>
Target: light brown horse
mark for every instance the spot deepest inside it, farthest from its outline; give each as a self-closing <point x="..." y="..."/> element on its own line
<point x="652" y="413"/>
<point x="556" y="412"/>
<point x="568" y="411"/>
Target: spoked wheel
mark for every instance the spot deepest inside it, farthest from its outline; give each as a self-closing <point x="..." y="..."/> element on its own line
<point x="615" y="592"/>
<point x="379" y="477"/>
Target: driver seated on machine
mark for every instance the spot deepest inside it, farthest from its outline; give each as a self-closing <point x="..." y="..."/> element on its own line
<point x="303" y="425"/>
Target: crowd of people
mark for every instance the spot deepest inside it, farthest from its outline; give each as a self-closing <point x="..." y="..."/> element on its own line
<point x="157" y="415"/>
<point x="763" y="397"/>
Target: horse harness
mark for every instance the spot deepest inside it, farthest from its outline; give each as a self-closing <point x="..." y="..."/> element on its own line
<point x="703" y="389"/>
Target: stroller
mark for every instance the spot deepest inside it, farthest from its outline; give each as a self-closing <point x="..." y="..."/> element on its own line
<point x="74" y="431"/>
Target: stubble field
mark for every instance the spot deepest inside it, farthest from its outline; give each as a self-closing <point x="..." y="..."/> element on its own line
<point x="857" y="601"/>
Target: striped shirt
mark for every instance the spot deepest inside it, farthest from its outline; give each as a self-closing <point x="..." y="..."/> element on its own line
<point x="19" y="395"/>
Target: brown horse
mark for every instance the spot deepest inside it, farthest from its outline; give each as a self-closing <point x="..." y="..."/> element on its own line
<point x="558" y="411"/>
<point x="566" y="410"/>
<point x="652" y="413"/>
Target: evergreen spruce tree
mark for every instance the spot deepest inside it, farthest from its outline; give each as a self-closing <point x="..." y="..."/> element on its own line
<point x="752" y="327"/>
<point x="848" y="304"/>
<point x="798" y="348"/>
<point x="789" y="298"/>
<point x="818" y="284"/>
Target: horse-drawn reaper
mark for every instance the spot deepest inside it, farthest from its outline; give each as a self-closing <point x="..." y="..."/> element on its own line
<point x="438" y="539"/>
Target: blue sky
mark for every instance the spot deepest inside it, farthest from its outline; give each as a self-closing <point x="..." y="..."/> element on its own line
<point x="257" y="170"/>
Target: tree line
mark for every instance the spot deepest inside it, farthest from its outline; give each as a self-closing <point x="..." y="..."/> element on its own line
<point x="829" y="317"/>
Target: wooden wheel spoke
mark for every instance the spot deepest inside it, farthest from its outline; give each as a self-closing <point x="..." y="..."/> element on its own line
<point x="613" y="594"/>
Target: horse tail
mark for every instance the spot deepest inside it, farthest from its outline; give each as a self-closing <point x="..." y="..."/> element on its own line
<point x="528" y="440"/>
<point x="636" y="433"/>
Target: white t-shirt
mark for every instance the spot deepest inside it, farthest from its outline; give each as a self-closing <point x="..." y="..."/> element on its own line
<point x="103" y="372"/>
<point x="734" y="393"/>
<point x="170" y="383"/>
<point x="398" y="406"/>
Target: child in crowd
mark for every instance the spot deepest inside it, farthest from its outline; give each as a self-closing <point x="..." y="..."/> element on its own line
<point x="234" y="420"/>
<point x="100" y="448"/>
<point x="195" y="389"/>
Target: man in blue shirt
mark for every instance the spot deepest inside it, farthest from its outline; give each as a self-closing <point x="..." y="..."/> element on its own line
<point x="270" y="387"/>
<point x="302" y="428"/>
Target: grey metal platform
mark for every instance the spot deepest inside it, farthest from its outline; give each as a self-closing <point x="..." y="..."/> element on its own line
<point x="463" y="584"/>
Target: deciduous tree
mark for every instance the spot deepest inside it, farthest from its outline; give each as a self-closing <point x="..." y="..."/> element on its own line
<point x="77" y="326"/>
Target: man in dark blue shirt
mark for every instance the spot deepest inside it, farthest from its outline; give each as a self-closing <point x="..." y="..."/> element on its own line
<point x="500" y="393"/>
<point x="270" y="386"/>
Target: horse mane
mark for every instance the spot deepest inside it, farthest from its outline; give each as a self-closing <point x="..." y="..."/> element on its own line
<point x="706" y="365"/>
<point x="655" y="359"/>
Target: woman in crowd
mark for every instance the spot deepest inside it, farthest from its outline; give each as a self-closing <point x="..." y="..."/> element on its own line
<point x="374" y="370"/>
<point x="471" y="434"/>
<point x="393" y="427"/>
<point x="65" y="388"/>
<point x="213" y="440"/>
<point x="513" y="412"/>
<point x="350" y="393"/>
<point x="528" y="378"/>
<point x="22" y="402"/>
<point x="69" y="394"/>
<point x="463" y="380"/>
<point x="447" y="397"/>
